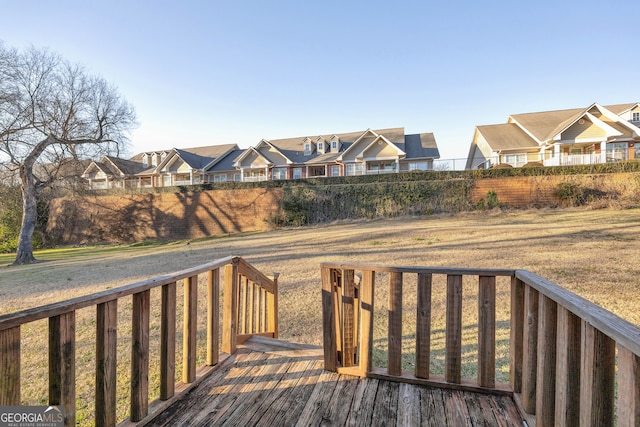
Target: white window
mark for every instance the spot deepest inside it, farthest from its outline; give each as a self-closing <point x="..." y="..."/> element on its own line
<point x="515" y="160"/>
<point x="237" y="177"/>
<point x="220" y="178"/>
<point x="307" y="149"/>
<point x="335" y="169"/>
<point x="334" y="145"/>
<point x="617" y="152"/>
<point x="279" y="173"/>
<point x="352" y="169"/>
<point x="297" y="173"/>
<point x="635" y="117"/>
<point x="145" y="161"/>
<point x="418" y="166"/>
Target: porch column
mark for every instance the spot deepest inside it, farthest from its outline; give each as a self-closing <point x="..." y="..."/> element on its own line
<point x="241" y="175"/>
<point x="266" y="173"/>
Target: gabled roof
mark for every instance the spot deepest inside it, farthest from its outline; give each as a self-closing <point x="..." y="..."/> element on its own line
<point x="544" y="125"/>
<point x="201" y="157"/>
<point x="621" y="108"/>
<point x="507" y="136"/>
<point x="420" y="146"/>
<point x="248" y="152"/>
<point x="226" y="163"/>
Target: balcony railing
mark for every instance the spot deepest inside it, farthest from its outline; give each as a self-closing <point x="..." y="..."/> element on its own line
<point x="562" y="348"/>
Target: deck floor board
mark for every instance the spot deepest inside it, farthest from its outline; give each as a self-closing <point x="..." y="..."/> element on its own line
<point x="274" y="383"/>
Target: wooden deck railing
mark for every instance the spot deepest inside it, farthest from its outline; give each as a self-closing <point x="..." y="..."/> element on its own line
<point x="250" y="306"/>
<point x="562" y="347"/>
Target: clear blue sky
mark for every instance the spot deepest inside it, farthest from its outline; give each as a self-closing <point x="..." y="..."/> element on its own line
<point x="215" y="72"/>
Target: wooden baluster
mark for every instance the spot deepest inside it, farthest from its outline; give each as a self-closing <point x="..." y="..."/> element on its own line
<point x="546" y="360"/>
<point x="10" y="366"/>
<point x="395" y="324"/>
<point x="190" y="329"/>
<point x="251" y="286"/>
<point x="366" y="320"/>
<point x="487" y="331"/>
<point x="453" y="359"/>
<point x="336" y="278"/>
<point x="530" y="353"/>
<point x="423" y="326"/>
<point x="348" y="346"/>
<point x="597" y="378"/>
<point x="62" y="364"/>
<point x="106" y="355"/>
<point x="568" y="369"/>
<point x="272" y="303"/>
<point x="262" y="307"/>
<point x="242" y="304"/>
<point x="230" y="308"/>
<point x="329" y="321"/>
<point x="515" y="332"/>
<point x="168" y="341"/>
<point x="140" y="355"/>
<point x="628" y="387"/>
<point x="213" y="316"/>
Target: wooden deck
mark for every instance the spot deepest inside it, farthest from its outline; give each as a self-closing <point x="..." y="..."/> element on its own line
<point x="276" y="383"/>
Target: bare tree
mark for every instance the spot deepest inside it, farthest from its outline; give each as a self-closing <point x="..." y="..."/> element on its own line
<point x="52" y="113"/>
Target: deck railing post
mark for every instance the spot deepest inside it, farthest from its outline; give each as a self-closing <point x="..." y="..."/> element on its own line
<point x="516" y="329"/>
<point x="546" y="370"/>
<point x="487" y="331"/>
<point x="628" y="387"/>
<point x="62" y="364"/>
<point x="189" y="334"/>
<point x="423" y="325"/>
<point x="453" y="340"/>
<point x="10" y="367"/>
<point x="530" y="352"/>
<point x="213" y="316"/>
<point x="567" y="369"/>
<point x="140" y="355"/>
<point x="272" y="306"/>
<point x="597" y="378"/>
<point x="366" y="321"/>
<point x="395" y="324"/>
<point x="106" y="362"/>
<point x="168" y="341"/>
<point x="328" y="321"/>
<point x="230" y="308"/>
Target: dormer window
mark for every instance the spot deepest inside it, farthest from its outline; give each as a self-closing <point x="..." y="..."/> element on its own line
<point x="635" y="117"/>
<point x="321" y="148"/>
<point x="145" y="161"/>
<point x="307" y="148"/>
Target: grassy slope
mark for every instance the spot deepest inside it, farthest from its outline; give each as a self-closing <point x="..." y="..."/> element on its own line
<point x="591" y="252"/>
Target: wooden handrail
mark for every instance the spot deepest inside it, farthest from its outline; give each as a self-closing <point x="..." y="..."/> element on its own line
<point x="62" y="340"/>
<point x="562" y="347"/>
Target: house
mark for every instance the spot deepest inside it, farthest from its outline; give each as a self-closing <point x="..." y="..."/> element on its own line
<point x="595" y="134"/>
<point x="344" y="154"/>
<point x="164" y="168"/>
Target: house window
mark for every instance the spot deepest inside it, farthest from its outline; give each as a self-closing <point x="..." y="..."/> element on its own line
<point x="181" y="179"/>
<point x="220" y="178"/>
<point x="317" y="171"/>
<point x="307" y="149"/>
<point x="334" y="145"/>
<point x="515" y="160"/>
<point x="279" y="173"/>
<point x="616" y="152"/>
<point x="635" y="117"/>
<point x="237" y="177"/>
<point x="352" y="169"/>
<point x="145" y="161"/>
<point x="335" y="169"/>
<point x="297" y="173"/>
<point x="418" y="166"/>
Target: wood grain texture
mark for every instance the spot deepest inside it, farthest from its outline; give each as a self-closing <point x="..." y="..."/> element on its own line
<point x="168" y="341"/>
<point x="487" y="331"/>
<point x="367" y="289"/>
<point x="530" y="350"/>
<point x="516" y="334"/>
<point x="628" y="388"/>
<point x="10" y="367"/>
<point x="106" y="363"/>
<point x="568" y="369"/>
<point x="546" y="360"/>
<point x="597" y="378"/>
<point x="328" y="321"/>
<point x="394" y="334"/>
<point x="190" y="331"/>
<point x="62" y="364"/>
<point x="423" y="325"/>
<point x="139" y="406"/>
<point x="213" y="317"/>
<point x="453" y="341"/>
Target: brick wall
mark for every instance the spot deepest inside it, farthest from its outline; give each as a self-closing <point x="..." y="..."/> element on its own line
<point x="170" y="216"/>
<point x="163" y="216"/>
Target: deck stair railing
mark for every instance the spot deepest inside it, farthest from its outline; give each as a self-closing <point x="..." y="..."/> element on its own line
<point x="562" y="352"/>
<point x="250" y="307"/>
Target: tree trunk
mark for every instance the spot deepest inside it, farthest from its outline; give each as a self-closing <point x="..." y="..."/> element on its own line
<point x="24" y="254"/>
